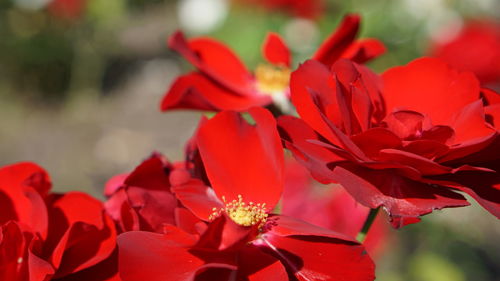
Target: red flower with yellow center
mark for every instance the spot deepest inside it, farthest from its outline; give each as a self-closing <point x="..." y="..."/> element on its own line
<point x="243" y="240"/>
<point x="222" y="82"/>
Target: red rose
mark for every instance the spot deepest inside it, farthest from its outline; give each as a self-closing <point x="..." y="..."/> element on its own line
<point x="396" y="142"/>
<point x="47" y="235"/>
<point x="244" y="164"/>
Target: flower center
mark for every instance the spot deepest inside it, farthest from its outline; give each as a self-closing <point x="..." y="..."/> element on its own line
<point x="272" y="79"/>
<point x="242" y="213"/>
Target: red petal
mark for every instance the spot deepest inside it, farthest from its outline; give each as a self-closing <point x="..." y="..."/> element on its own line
<point x="484" y="187"/>
<point x="493" y="111"/>
<point x="128" y="219"/>
<point x="426" y="148"/>
<point x="80" y="235"/>
<point x="114" y="204"/>
<point x="333" y="47"/>
<point x="346" y="142"/>
<point x="364" y="50"/>
<point x="405" y="123"/>
<point x="156" y="257"/>
<point x="487" y="195"/>
<point x="470" y="124"/>
<point x="317" y="257"/>
<point x="490" y="97"/>
<point x="326" y="105"/>
<point x="297" y="136"/>
<point x="144" y="201"/>
<point x="106" y="270"/>
<point x="405" y="200"/>
<point x="114" y="183"/>
<point x="196" y="91"/>
<point x="154" y="207"/>
<point x="12" y="247"/>
<point x="312" y="90"/>
<point x="352" y="98"/>
<point x="243" y="159"/>
<point x="373" y="140"/>
<point x="198" y="198"/>
<point x="17" y="257"/>
<point x="255" y="265"/>
<point x="29" y="174"/>
<point x="216" y="272"/>
<point x="425" y="166"/>
<point x="289" y="226"/>
<point x="486" y="156"/>
<point x="186" y="220"/>
<point x="373" y="84"/>
<point x="473" y="147"/>
<point x="439" y="133"/>
<point x="21" y="186"/>
<point x="275" y="50"/>
<point x="431" y="87"/>
<point x="223" y="234"/>
<point x="214" y="60"/>
<point x="39" y="268"/>
<point x="151" y="174"/>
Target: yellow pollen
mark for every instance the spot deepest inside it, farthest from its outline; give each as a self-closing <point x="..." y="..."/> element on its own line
<point x="241" y="213"/>
<point x="272" y="79"/>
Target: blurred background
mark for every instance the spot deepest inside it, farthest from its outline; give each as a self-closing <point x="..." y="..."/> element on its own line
<point x="81" y="81"/>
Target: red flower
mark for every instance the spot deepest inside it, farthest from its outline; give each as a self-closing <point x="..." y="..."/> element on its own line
<point x="222" y="82"/>
<point x="46" y="236"/>
<point x="67" y="9"/>
<point x="392" y="151"/>
<point x="244" y="164"/>
<point x="475" y="48"/>
<point x="333" y="208"/>
<point x="143" y="199"/>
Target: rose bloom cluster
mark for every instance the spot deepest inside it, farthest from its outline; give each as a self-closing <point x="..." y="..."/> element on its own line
<point x="283" y="183"/>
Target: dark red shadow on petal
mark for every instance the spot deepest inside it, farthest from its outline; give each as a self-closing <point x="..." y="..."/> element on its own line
<point x="405" y="200"/>
<point x="321" y="258"/>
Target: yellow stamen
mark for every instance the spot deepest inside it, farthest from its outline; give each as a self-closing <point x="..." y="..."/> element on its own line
<point x="272" y="79"/>
<point x="241" y="213"/>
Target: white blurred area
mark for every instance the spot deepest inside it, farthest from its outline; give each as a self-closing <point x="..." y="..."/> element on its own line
<point x="436" y="14"/>
<point x="302" y="35"/>
<point x="31" y="4"/>
<point x="98" y="133"/>
<point x="202" y="16"/>
<point x="432" y="14"/>
<point x="92" y="139"/>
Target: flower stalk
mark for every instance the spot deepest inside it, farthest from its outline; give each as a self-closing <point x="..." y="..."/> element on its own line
<point x="367" y="225"/>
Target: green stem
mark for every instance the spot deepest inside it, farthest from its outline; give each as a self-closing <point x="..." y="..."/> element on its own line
<point x="368" y="223"/>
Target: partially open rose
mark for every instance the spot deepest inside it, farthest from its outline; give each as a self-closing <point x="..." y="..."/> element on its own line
<point x="399" y="141"/>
